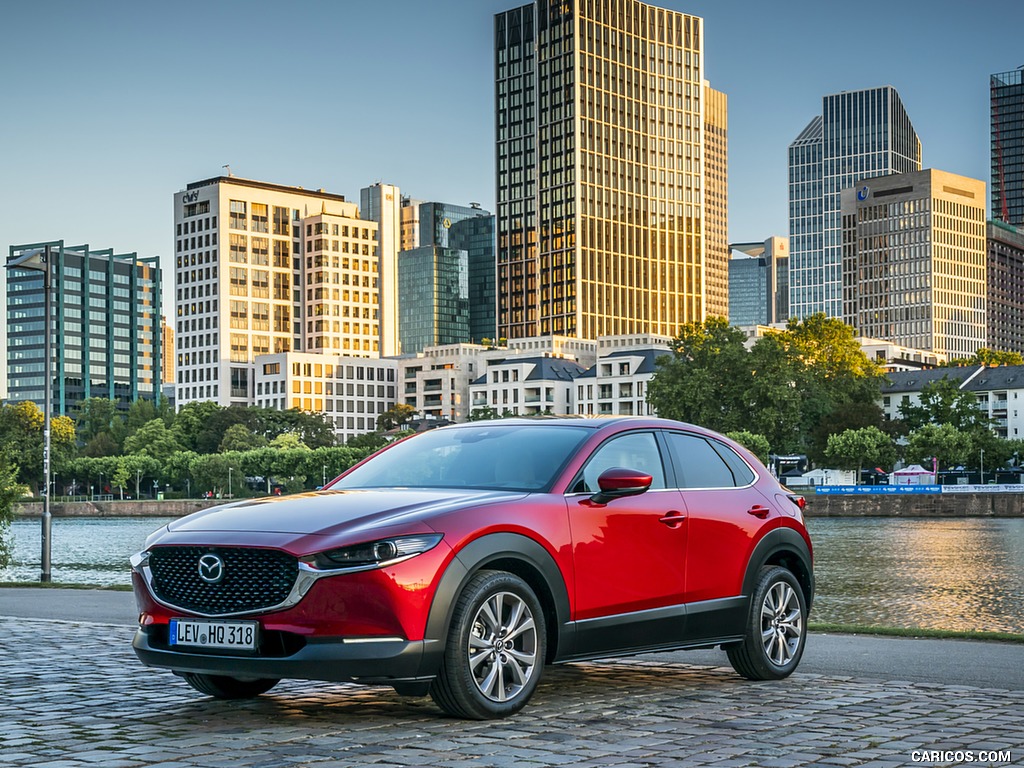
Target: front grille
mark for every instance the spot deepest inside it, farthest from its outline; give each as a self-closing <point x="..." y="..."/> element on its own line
<point x="252" y="579"/>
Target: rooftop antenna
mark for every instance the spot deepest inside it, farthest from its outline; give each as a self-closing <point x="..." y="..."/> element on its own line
<point x="228" y="167"/>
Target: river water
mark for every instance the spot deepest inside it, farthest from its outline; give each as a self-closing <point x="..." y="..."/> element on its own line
<point x="962" y="574"/>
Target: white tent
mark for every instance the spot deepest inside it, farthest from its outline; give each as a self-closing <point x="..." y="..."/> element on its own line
<point x="915" y="474"/>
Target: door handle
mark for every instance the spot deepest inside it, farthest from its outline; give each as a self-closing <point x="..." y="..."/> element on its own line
<point x="673" y="519"/>
<point x="759" y="511"/>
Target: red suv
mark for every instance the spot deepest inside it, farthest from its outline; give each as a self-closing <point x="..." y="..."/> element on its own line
<point x="462" y="560"/>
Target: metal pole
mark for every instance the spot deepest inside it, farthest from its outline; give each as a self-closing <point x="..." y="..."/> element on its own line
<point x="47" y="521"/>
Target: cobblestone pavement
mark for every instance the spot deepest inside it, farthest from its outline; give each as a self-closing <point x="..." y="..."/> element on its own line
<point x="73" y="695"/>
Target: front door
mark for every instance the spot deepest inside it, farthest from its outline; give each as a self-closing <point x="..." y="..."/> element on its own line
<point x="629" y="554"/>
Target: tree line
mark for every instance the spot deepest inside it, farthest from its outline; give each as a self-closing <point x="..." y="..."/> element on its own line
<point x="810" y="389"/>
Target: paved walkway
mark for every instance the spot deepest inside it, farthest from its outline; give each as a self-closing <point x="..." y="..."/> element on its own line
<point x="72" y="695"/>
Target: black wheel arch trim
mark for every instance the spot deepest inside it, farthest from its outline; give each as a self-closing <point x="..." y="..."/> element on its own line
<point x="774" y="547"/>
<point x="540" y="572"/>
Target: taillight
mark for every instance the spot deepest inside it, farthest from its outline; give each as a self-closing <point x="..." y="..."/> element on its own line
<point x="800" y="501"/>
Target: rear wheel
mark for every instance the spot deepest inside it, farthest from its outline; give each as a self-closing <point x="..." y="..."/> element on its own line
<point x="776" y="628"/>
<point x="495" y="651"/>
<point x="224" y="687"/>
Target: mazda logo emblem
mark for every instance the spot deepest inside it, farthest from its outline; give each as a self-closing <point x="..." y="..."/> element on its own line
<point x="211" y="569"/>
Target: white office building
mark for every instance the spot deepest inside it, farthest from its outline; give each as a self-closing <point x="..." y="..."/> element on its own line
<point x="264" y="269"/>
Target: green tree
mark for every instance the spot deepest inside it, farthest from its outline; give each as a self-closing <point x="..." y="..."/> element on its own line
<point x="986" y="356"/>
<point x="943" y="442"/>
<point x="943" y="402"/>
<point x="239" y="437"/>
<point x="10" y="491"/>
<point x="395" y="417"/>
<point x="191" y="424"/>
<point x="833" y="372"/>
<point x="756" y="444"/>
<point x="315" y="429"/>
<point x="141" y="472"/>
<point x="845" y="416"/>
<point x="177" y="470"/>
<point x="772" y="400"/>
<point x="21" y="432"/>
<point x="487" y="413"/>
<point x="153" y="439"/>
<point x="104" y="444"/>
<point x="371" y="440"/>
<point x="702" y="380"/>
<point x="288" y="441"/>
<point x="853" y="448"/>
<point x="96" y="417"/>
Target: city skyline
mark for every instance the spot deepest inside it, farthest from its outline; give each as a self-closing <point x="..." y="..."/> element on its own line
<point x="123" y="105"/>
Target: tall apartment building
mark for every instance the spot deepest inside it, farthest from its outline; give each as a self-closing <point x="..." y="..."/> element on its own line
<point x="859" y="135"/>
<point x="382" y="203"/>
<point x="105" y="320"/>
<point x="263" y="268"/>
<point x="914" y="261"/>
<point x="1005" y="277"/>
<point x="759" y="282"/>
<point x="610" y="217"/>
<point x="1007" y="114"/>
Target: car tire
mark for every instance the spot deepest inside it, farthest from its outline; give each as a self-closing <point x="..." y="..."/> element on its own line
<point x="776" y="630"/>
<point x="496" y="649"/>
<point x="224" y="687"/>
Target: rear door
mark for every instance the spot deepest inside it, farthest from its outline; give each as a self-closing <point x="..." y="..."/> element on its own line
<point x="727" y="514"/>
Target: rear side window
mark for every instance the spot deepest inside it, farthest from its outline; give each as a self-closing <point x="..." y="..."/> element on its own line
<point x="741" y="471"/>
<point x="699" y="465"/>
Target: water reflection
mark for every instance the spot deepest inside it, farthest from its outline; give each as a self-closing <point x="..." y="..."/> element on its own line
<point x="965" y="574"/>
<point x="92" y="550"/>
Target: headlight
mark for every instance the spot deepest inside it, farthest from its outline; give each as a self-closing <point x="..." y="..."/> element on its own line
<point x="373" y="553"/>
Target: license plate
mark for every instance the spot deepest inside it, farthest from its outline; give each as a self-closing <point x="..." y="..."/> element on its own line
<point x="237" y="635"/>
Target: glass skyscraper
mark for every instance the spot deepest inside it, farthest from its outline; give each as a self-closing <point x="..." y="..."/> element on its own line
<point x="1007" y="95"/>
<point x="611" y="164"/>
<point x="433" y="283"/>
<point x="475" y="236"/>
<point x="859" y="134"/>
<point x="105" y="320"/>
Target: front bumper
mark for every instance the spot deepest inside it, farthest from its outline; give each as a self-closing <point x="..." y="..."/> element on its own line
<point x="361" y="660"/>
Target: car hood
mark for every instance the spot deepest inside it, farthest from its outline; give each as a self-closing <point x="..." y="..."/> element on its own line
<point x="330" y="512"/>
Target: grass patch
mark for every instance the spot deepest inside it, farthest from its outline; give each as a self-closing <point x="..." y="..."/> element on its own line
<point x="941" y="634"/>
<point x="62" y="585"/>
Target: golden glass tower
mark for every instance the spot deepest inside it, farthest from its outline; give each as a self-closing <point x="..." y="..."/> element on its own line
<point x="611" y="166"/>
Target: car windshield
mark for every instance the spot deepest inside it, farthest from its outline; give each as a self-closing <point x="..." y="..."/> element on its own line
<point x="522" y="457"/>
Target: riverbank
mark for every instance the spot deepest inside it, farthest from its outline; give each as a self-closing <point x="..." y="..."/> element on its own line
<point x="930" y="505"/>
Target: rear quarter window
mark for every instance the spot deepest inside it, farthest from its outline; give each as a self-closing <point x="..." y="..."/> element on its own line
<point x="699" y="464"/>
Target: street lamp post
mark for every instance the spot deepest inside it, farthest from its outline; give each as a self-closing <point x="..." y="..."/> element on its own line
<point x="982" y="466"/>
<point x="229" y="481"/>
<point x="138" y="477"/>
<point x="323" y="476"/>
<point x="188" y="486"/>
<point x="39" y="260"/>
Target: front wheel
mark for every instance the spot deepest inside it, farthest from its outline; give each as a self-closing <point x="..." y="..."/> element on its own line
<point x="224" y="687"/>
<point x="495" y="651"/>
<point x="776" y="628"/>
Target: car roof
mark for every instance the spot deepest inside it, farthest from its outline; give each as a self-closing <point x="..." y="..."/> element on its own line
<point x="609" y="423"/>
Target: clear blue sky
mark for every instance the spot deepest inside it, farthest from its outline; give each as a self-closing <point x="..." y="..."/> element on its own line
<point x="108" y="108"/>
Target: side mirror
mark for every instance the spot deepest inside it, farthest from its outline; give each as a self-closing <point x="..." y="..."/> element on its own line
<point x="618" y="482"/>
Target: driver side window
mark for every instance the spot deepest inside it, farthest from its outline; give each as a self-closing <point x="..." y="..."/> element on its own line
<point x="638" y="450"/>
